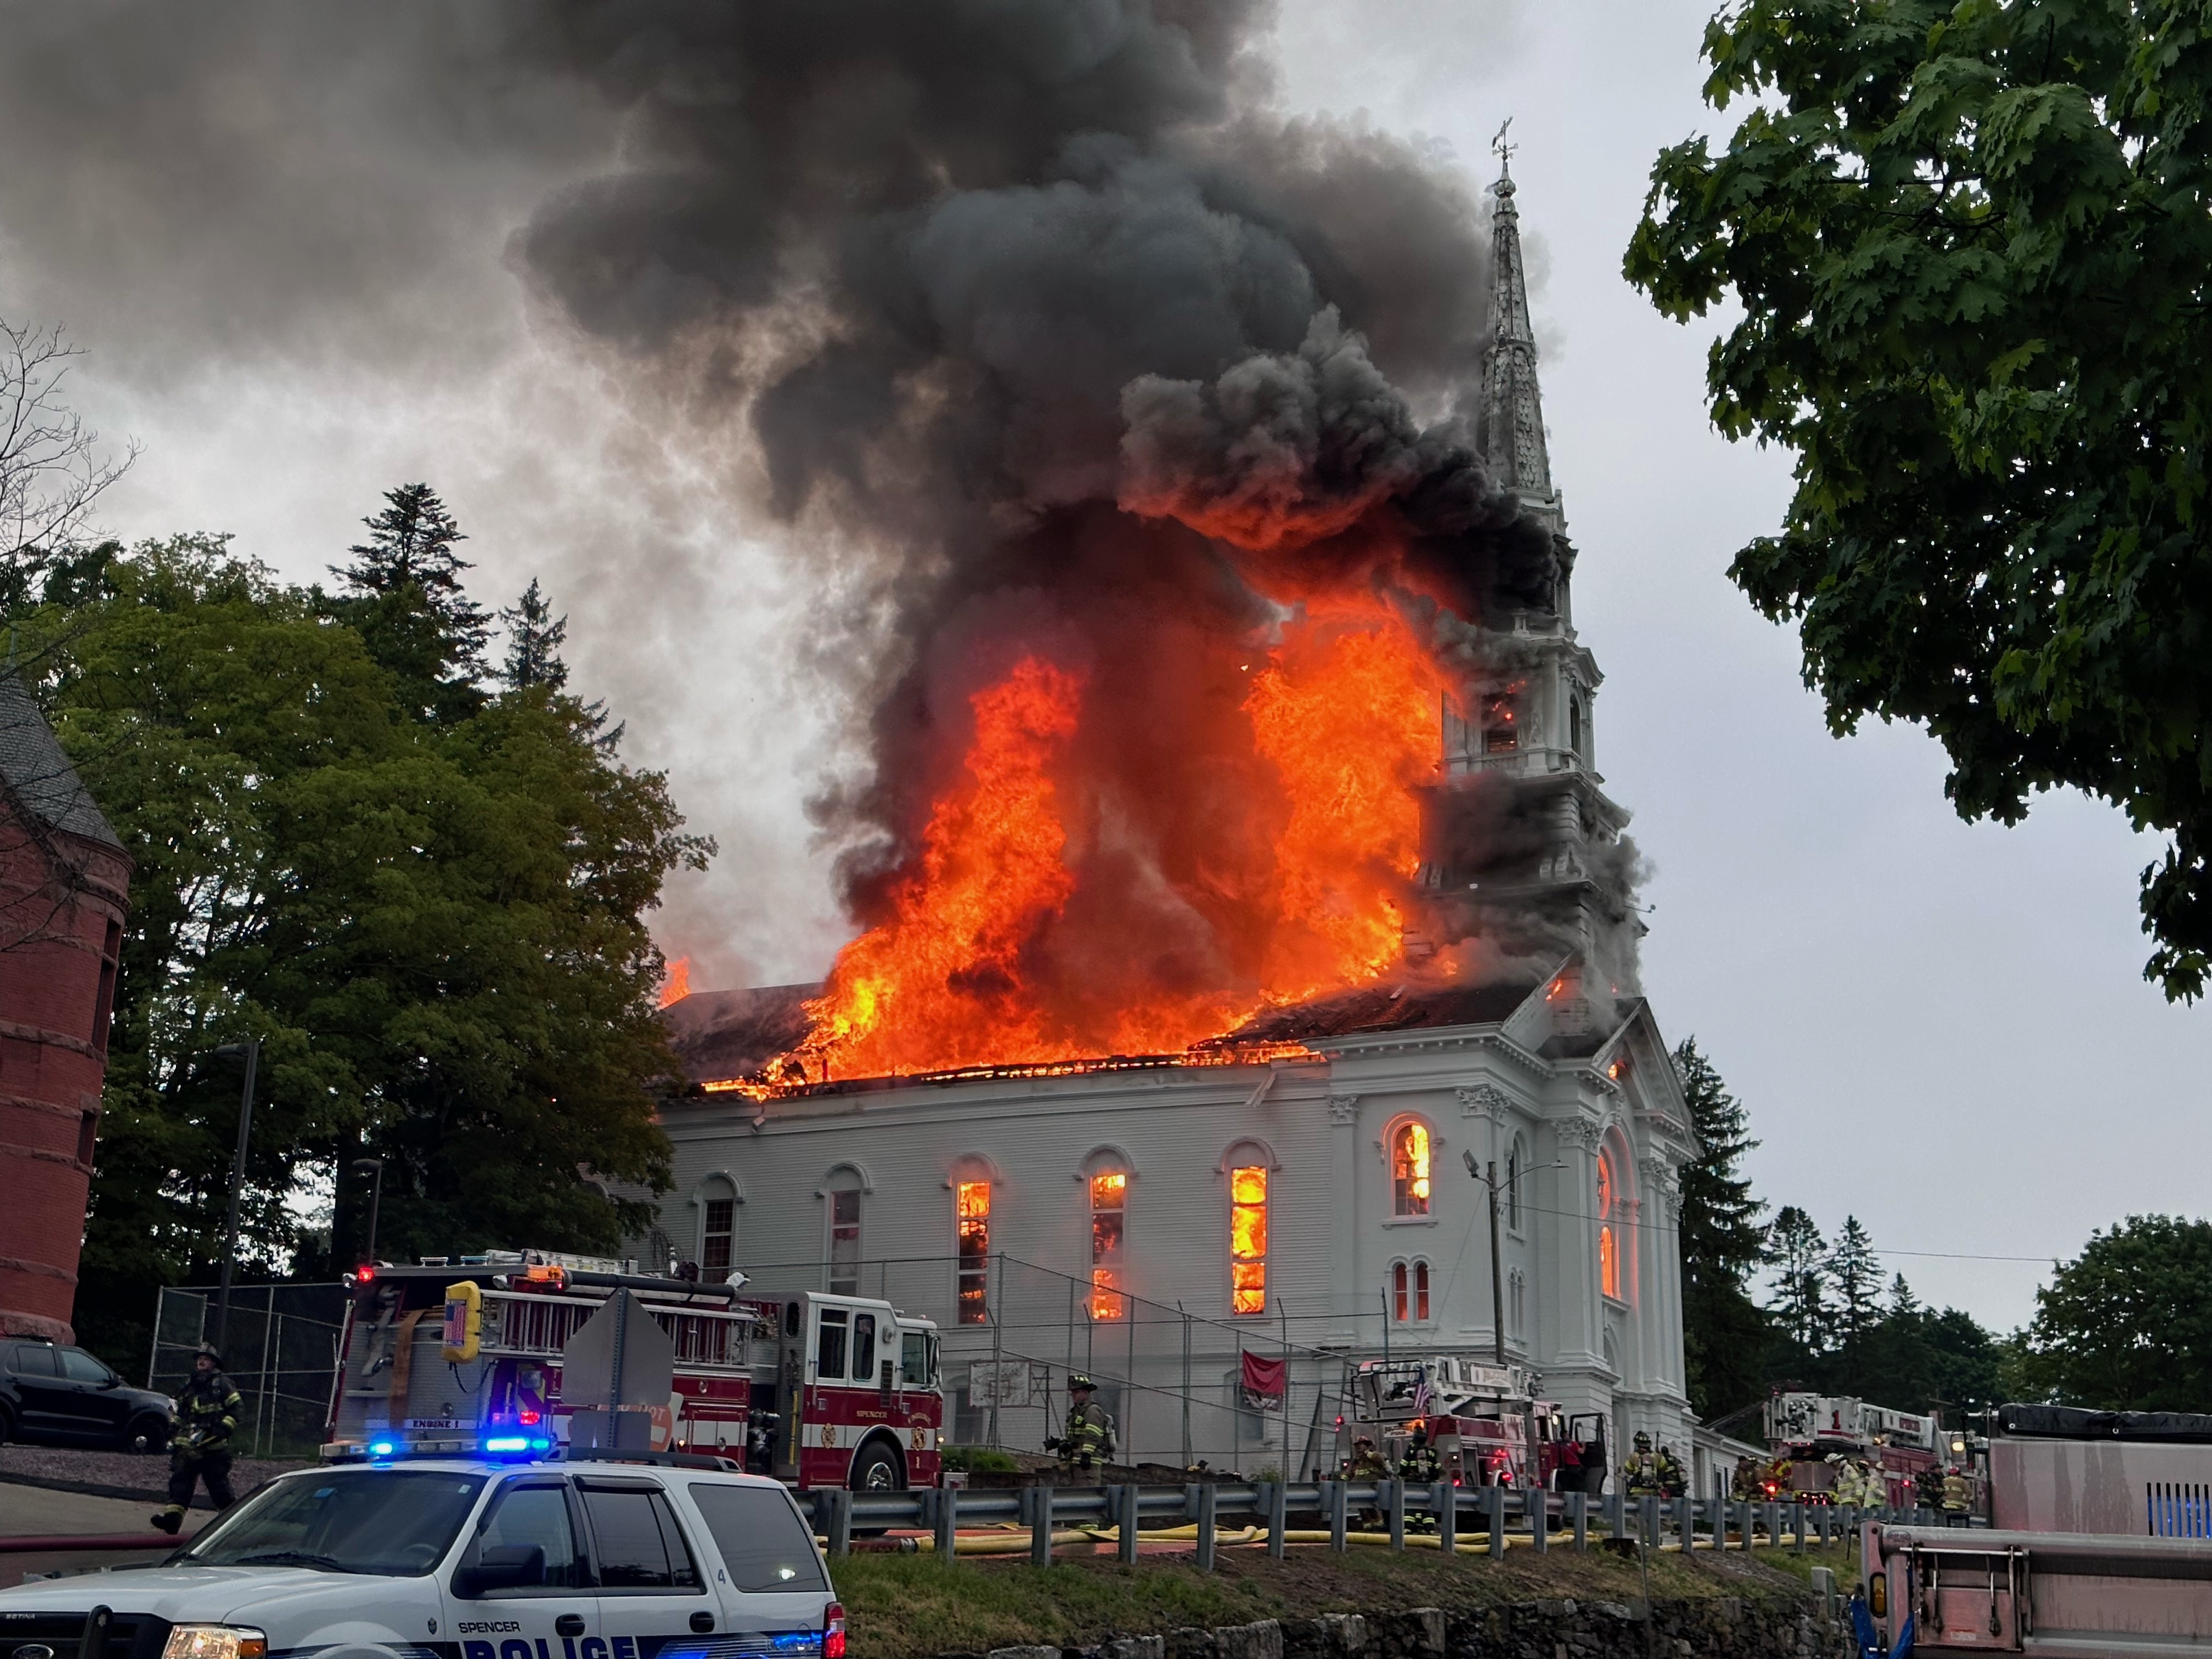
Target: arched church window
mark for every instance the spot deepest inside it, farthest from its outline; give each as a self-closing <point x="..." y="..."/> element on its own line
<point x="1516" y="1161"/>
<point x="1608" y="1243"/>
<point x="1501" y="723"/>
<point x="1247" y="1239"/>
<point x="1409" y="1169"/>
<point x="971" y="1215"/>
<point x="1409" y="1292"/>
<point x="1109" y="1214"/>
<point x="1575" y="723"/>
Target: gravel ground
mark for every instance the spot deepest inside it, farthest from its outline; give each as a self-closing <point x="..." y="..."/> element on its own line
<point x="118" y="1474"/>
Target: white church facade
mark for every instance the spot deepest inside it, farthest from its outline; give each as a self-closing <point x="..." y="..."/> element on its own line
<point x="1151" y="1222"/>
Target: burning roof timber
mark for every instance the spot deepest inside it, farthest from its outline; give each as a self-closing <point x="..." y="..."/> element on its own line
<point x="734" y="1040"/>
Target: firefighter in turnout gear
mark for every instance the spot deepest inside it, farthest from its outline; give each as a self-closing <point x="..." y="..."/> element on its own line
<point x="205" y="1414"/>
<point x="1365" y="1463"/>
<point x="1642" y="1473"/>
<point x="1087" y="1442"/>
<point x="1958" y="1498"/>
<point x="1421" y="1466"/>
<point x="1673" y="1482"/>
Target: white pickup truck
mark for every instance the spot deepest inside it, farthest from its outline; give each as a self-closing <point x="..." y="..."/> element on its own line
<point x="463" y="1559"/>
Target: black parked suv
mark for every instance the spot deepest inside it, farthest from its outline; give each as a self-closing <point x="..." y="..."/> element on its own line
<point x="64" y="1395"/>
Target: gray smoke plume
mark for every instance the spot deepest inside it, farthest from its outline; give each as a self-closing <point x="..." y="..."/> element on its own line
<point x="1031" y="319"/>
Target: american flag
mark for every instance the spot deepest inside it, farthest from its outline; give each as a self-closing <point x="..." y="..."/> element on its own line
<point x="1422" y="1393"/>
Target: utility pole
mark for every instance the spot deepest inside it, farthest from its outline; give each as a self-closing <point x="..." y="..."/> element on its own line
<point x="251" y="1050"/>
<point x="373" y="1169"/>
<point x="1497" y="1262"/>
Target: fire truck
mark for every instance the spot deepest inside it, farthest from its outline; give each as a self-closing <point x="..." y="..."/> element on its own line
<point x="2093" y="1538"/>
<point x="1803" y="1429"/>
<point x="1482" y="1419"/>
<point x="815" y="1390"/>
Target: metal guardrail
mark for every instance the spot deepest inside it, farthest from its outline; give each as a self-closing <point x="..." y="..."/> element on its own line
<point x="1502" y="1517"/>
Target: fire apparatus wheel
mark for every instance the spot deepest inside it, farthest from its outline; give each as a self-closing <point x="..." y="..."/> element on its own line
<point x="876" y="1467"/>
<point x="148" y="1433"/>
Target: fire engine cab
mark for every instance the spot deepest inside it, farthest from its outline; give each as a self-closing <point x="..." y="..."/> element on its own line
<point x="814" y="1389"/>
<point x="1803" y="1429"/>
<point x="1482" y="1419"/>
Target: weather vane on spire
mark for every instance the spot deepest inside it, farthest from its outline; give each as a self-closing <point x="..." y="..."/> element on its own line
<point x="1502" y="151"/>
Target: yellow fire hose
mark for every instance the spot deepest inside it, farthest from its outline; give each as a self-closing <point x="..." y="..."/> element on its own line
<point x="1015" y="1540"/>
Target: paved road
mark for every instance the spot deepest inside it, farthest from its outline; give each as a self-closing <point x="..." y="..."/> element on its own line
<point x="33" y="1512"/>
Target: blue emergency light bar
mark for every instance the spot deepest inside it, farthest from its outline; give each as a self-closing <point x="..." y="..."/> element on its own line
<point x="520" y="1446"/>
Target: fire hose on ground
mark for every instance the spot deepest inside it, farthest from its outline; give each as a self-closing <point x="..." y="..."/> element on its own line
<point x="1016" y="1541"/>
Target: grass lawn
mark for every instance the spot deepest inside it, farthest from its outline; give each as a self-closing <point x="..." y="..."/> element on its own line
<point x="909" y="1607"/>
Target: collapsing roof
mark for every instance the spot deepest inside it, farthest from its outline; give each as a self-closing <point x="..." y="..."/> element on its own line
<point x="723" y="1036"/>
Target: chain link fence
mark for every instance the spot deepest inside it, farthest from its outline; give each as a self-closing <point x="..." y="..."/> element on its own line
<point x="281" y="1351"/>
<point x="1174" y="1381"/>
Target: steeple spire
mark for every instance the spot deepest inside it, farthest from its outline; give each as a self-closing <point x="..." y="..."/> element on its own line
<point x="1512" y="430"/>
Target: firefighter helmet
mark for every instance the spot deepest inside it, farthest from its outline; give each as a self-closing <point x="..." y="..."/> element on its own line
<point x="1420" y="1434"/>
<point x="1643" y="1440"/>
<point x="1078" y="1380"/>
<point x="206" y="1351"/>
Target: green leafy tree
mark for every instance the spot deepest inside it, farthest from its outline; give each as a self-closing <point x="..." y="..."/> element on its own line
<point x="404" y="594"/>
<point x="2127" y="1325"/>
<point x="434" y="924"/>
<point x="1799" y="1257"/>
<point x="1970" y="246"/>
<point x="1724" y="1331"/>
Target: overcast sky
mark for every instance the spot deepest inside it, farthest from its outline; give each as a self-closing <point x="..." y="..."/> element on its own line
<point x="1940" y="1028"/>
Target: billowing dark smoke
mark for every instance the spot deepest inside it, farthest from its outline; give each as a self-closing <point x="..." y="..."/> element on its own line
<point x="1016" y="297"/>
<point x="1040" y="329"/>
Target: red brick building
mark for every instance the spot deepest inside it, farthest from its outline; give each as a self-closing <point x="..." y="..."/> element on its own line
<point x="63" y="882"/>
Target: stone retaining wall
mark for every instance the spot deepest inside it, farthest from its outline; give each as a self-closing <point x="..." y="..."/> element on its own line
<point x="1723" y="1627"/>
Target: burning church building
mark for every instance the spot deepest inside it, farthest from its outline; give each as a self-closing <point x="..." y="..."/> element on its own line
<point x="1241" y="908"/>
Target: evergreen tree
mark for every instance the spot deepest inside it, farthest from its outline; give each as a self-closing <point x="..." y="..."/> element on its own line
<point x="1902" y="1301"/>
<point x="403" y="596"/>
<point x="1855" y="1273"/>
<point x="1799" y="1257"/>
<point x="1724" y="1331"/>
<point x="534" y="639"/>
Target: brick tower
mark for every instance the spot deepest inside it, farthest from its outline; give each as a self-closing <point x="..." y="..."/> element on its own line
<point x="63" y="884"/>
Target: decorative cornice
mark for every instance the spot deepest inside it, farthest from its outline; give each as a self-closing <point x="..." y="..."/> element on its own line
<point x="1579" y="1133"/>
<point x="1484" y="1100"/>
<point x="1343" y="1108"/>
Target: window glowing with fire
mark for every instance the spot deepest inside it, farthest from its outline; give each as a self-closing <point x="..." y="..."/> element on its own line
<point x="1247" y="1239"/>
<point x="1608" y="1243"/>
<point x="1110" y="1203"/>
<point x="1409" y="1169"/>
<point x="971" y="1210"/>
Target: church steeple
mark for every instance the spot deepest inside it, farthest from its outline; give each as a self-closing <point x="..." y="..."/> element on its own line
<point x="1512" y="424"/>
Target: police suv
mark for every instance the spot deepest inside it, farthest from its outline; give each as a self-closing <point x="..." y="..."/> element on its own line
<point x="464" y="1559"/>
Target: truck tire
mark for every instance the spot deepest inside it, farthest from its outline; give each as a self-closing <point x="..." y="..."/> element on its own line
<point x="146" y="1434"/>
<point x="876" y="1468"/>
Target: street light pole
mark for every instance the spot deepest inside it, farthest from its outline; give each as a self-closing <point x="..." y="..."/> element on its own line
<point x="251" y="1050"/>
<point x="374" y="1168"/>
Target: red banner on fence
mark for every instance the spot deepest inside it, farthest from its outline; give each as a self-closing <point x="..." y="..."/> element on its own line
<point x="1265" y="1379"/>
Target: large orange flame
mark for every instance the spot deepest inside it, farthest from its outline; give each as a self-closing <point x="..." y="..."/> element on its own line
<point x="1345" y="715"/>
<point x="675" y="982"/>
<point x="1349" y="712"/>
<point x="940" y="985"/>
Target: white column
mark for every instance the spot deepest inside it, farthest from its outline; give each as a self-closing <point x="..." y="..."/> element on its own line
<point x="1344" y="1219"/>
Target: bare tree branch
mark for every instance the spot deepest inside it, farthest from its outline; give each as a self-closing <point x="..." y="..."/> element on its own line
<point x="52" y="467"/>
